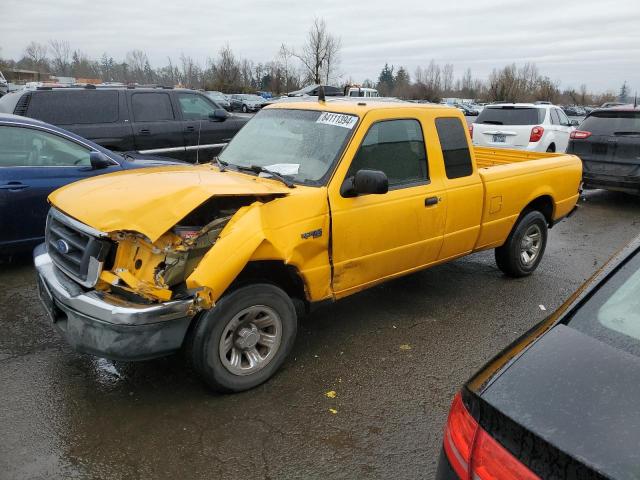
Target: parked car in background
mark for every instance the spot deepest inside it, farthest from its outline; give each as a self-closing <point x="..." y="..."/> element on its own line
<point x="265" y="95"/>
<point x="179" y="123"/>
<point x="525" y="126"/>
<point x="314" y="90"/>
<point x="574" y="110"/>
<point x="467" y="110"/>
<point x="561" y="402"/>
<point x="608" y="142"/>
<point x="219" y="99"/>
<point x="246" y="102"/>
<point x="4" y="85"/>
<point x="37" y="158"/>
<point x="612" y="104"/>
<point x="355" y="91"/>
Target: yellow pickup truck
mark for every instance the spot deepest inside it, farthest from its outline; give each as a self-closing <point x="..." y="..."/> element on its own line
<point x="311" y="201"/>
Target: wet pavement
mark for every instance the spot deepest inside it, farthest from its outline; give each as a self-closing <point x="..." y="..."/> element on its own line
<point x="395" y="355"/>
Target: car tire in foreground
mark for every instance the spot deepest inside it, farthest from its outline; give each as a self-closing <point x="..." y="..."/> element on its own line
<point x="525" y="246"/>
<point x="244" y="339"/>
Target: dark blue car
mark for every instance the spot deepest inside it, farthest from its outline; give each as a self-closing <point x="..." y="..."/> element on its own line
<point x="35" y="159"/>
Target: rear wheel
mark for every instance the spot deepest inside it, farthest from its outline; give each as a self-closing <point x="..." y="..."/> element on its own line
<point x="525" y="246"/>
<point x="244" y="339"/>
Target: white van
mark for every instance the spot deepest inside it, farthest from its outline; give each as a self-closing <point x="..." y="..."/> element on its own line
<point x="362" y="92"/>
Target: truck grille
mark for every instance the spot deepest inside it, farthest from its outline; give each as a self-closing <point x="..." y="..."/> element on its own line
<point x="75" y="248"/>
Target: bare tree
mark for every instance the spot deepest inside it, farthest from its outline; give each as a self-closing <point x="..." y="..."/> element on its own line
<point x="284" y="58"/>
<point x="36" y="55"/>
<point x="319" y="54"/>
<point x="447" y="78"/>
<point x="227" y="71"/>
<point x="61" y="56"/>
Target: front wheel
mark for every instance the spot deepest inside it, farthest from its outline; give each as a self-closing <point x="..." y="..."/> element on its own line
<point x="244" y="339"/>
<point x="245" y="109"/>
<point x="524" y="248"/>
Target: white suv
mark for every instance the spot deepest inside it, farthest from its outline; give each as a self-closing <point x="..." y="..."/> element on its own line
<point x="524" y="126"/>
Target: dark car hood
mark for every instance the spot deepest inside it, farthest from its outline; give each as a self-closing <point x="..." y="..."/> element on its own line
<point x="580" y="395"/>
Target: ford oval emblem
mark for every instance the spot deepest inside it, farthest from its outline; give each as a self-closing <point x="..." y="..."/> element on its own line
<point x="62" y="246"/>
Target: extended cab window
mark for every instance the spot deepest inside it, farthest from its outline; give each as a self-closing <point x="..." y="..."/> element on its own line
<point x="194" y="107"/>
<point x="455" y="148"/>
<point x="74" y="106"/>
<point x="28" y="147"/>
<point x="151" y="107"/>
<point x="395" y="147"/>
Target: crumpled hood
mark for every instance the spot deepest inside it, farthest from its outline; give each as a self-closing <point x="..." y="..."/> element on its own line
<point x="152" y="200"/>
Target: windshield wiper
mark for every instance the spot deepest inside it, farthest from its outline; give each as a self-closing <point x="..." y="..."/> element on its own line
<point x="259" y="169"/>
<point x="626" y="133"/>
<point x="222" y="165"/>
<point x="492" y="122"/>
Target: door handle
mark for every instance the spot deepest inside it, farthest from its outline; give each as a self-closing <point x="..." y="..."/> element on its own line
<point x="430" y="201"/>
<point x="14" y="186"/>
<point x="145" y="131"/>
<point x="190" y="129"/>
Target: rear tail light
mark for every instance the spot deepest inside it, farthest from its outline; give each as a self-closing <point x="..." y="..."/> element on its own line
<point x="536" y="134"/>
<point x="471" y="131"/>
<point x="579" y="135"/>
<point x="474" y="454"/>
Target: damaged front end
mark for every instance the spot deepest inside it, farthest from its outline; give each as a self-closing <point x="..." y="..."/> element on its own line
<point x="147" y="271"/>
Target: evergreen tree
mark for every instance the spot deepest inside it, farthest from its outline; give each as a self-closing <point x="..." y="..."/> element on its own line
<point x="386" y="80"/>
<point x="624" y="92"/>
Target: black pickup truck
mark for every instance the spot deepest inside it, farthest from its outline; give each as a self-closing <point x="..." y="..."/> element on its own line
<point x="179" y="123"/>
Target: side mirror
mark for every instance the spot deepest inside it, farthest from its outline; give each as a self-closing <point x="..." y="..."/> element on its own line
<point x="365" y="182"/>
<point x="219" y="115"/>
<point x="574" y="123"/>
<point x="99" y="160"/>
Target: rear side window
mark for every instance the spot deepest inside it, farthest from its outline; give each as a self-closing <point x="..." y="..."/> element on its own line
<point x="612" y="314"/>
<point x="74" y="106"/>
<point x="612" y="123"/>
<point x="151" y="107"/>
<point x="455" y="148"/>
<point x="395" y="147"/>
<point x="511" y="116"/>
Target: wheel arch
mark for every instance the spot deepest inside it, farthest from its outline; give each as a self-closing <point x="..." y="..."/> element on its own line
<point x="543" y="204"/>
<point x="276" y="272"/>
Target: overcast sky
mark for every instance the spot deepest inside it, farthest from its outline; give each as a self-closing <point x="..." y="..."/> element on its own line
<point x="595" y="42"/>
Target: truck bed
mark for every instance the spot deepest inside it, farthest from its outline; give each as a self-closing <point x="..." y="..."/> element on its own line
<point x="513" y="178"/>
<point x="489" y="157"/>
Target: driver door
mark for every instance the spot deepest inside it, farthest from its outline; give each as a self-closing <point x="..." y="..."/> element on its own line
<point x="378" y="236"/>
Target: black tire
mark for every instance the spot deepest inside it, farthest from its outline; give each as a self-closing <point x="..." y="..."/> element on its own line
<point x="245" y="109"/>
<point x="509" y="257"/>
<point x="204" y="342"/>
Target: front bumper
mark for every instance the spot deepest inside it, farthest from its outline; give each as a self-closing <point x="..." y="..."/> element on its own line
<point x="101" y="324"/>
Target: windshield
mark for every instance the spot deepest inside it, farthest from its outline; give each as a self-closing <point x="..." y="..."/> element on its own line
<point x="302" y="145"/>
<point x="511" y="116"/>
<point x="612" y="123"/>
<point x="612" y="314"/>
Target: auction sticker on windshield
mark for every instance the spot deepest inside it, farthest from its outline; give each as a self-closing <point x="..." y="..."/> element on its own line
<point x="337" y="119"/>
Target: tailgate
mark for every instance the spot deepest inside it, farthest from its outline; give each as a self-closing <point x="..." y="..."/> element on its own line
<point x="498" y="136"/>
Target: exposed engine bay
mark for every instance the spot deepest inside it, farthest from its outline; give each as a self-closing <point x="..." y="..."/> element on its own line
<point x="153" y="272"/>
